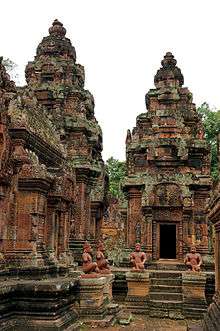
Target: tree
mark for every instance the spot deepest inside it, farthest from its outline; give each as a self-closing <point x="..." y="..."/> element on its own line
<point x="11" y="69"/>
<point x="211" y="121"/>
<point x="116" y="171"/>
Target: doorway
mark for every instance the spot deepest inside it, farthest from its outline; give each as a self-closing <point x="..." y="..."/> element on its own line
<point x="167" y="241"/>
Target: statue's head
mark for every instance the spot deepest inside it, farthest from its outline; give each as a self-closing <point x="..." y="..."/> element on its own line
<point x="193" y="249"/>
<point x="137" y="247"/>
<point x="87" y="247"/>
<point x="101" y="246"/>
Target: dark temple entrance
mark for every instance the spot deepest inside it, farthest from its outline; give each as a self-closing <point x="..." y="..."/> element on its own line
<point x="167" y="241"/>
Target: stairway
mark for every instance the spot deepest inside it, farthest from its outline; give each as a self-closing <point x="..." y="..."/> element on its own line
<point x="165" y="296"/>
<point x="76" y="246"/>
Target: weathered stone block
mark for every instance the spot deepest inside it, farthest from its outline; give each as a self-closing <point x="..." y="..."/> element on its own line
<point x="194" y="300"/>
<point x="92" y="295"/>
<point x="138" y="291"/>
<point x="108" y="286"/>
<point x="138" y="283"/>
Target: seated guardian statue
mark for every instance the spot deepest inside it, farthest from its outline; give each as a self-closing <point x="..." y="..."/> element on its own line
<point x="102" y="262"/>
<point x="193" y="260"/>
<point x="88" y="266"/>
<point x="138" y="258"/>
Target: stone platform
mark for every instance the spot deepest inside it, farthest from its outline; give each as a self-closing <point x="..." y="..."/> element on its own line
<point x="95" y="296"/>
<point x="171" y="294"/>
<point x="194" y="300"/>
<point x="138" y="292"/>
<point x="38" y="305"/>
<point x="146" y="323"/>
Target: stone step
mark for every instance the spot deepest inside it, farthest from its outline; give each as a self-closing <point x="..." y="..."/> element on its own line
<point x="166" y="266"/>
<point x="165" y="296"/>
<point x="166" y="274"/>
<point x="194" y="327"/>
<point x="113" y="308"/>
<point x="171" y="313"/>
<point x="166" y="281"/>
<point x="102" y="323"/>
<point x="165" y="304"/>
<point x="80" y="243"/>
<point x="166" y="288"/>
<point x="194" y="313"/>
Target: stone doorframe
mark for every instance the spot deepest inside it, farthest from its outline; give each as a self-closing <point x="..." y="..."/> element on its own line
<point x="158" y="236"/>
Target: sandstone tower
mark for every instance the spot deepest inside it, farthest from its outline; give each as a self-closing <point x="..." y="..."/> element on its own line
<point x="52" y="176"/>
<point x="58" y="83"/>
<point x="168" y="170"/>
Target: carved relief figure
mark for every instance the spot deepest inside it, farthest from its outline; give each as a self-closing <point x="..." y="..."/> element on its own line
<point x="193" y="260"/>
<point x="167" y="194"/>
<point x="72" y="228"/>
<point x="102" y="262"/>
<point x="88" y="265"/>
<point x="138" y="232"/>
<point x="138" y="258"/>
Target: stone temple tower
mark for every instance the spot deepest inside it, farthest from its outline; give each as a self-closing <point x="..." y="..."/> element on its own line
<point x="58" y="83"/>
<point x="168" y="170"/>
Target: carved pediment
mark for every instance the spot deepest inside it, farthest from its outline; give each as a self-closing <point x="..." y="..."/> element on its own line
<point x="167" y="194"/>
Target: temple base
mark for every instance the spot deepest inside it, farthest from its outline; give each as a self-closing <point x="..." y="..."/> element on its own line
<point x="138" y="292"/>
<point x="194" y="300"/>
<point x="95" y="308"/>
<point x="48" y="305"/>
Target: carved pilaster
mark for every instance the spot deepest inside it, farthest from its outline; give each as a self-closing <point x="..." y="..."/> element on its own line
<point x="154" y="240"/>
<point x="187" y="230"/>
<point x="82" y="203"/>
<point x="135" y="218"/>
<point x="149" y="223"/>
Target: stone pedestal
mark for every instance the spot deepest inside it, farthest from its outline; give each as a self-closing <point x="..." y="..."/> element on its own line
<point x="108" y="287"/>
<point x="92" y="296"/>
<point x="39" y="305"/>
<point x="194" y="300"/>
<point x="138" y="291"/>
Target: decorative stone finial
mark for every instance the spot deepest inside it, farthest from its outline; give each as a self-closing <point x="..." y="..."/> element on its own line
<point x="56" y="44"/>
<point x="168" y="70"/>
<point x="168" y="61"/>
<point x="128" y="137"/>
<point x="57" y="29"/>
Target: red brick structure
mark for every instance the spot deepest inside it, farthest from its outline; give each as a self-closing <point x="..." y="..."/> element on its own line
<point x="168" y="171"/>
<point x="52" y="177"/>
<point x="53" y="188"/>
<point x="212" y="318"/>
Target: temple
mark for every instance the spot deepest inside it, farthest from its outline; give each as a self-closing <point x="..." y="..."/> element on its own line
<point x="53" y="182"/>
<point x="168" y="171"/>
<point x="73" y="256"/>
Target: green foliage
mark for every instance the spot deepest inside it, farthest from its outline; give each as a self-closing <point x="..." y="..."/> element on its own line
<point x="9" y="65"/>
<point x="211" y="121"/>
<point x="11" y="69"/>
<point x="116" y="171"/>
<point x="116" y="250"/>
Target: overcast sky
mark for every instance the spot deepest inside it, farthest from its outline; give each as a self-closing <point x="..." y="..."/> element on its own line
<point x="121" y="44"/>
